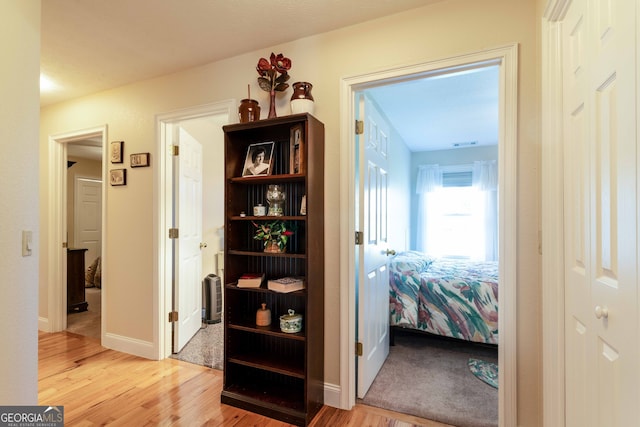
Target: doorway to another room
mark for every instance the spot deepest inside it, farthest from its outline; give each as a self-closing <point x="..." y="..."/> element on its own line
<point x="370" y="328"/>
<point x="191" y="202"/>
<point x="76" y="207"/>
<point x="84" y="230"/>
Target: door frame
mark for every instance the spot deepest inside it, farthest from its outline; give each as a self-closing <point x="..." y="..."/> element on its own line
<point x="552" y="216"/>
<point x="507" y="58"/>
<point x="162" y="202"/>
<point x="57" y="223"/>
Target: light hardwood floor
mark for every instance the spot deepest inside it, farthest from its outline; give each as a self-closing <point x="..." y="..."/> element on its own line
<point x="98" y="386"/>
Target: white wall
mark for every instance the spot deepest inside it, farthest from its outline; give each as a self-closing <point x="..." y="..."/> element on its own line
<point x="19" y="115"/>
<point x="441" y="30"/>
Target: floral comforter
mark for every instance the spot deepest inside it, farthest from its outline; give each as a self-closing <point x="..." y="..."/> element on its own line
<point x="454" y="298"/>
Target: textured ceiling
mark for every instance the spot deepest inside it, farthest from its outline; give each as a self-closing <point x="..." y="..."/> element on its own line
<point x="445" y="112"/>
<point x="94" y="45"/>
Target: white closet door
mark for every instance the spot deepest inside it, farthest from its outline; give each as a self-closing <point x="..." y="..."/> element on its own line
<point x="601" y="299"/>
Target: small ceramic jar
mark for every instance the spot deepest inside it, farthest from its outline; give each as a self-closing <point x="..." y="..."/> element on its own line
<point x="263" y="316"/>
<point x="249" y="111"/>
<point x="291" y="323"/>
<point x="259" y="210"/>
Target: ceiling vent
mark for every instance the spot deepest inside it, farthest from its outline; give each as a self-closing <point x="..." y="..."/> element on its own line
<point x="464" y="144"/>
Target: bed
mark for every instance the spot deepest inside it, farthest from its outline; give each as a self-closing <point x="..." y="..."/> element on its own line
<point x="447" y="297"/>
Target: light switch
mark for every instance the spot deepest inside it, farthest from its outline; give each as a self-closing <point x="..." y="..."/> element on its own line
<point x="27" y="242"/>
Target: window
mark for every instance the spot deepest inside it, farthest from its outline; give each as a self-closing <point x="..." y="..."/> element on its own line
<point x="458" y="210"/>
<point x="455" y="222"/>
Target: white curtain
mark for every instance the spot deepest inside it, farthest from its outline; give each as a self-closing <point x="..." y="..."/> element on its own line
<point x="429" y="179"/>
<point x="485" y="179"/>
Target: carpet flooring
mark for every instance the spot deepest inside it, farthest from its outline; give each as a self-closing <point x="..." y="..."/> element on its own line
<point x="205" y="348"/>
<point x="87" y="323"/>
<point x="429" y="377"/>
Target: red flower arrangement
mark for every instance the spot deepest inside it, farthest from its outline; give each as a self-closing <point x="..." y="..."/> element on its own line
<point x="273" y="77"/>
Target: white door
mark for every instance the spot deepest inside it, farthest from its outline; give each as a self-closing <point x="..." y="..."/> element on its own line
<point x="373" y="271"/>
<point x="601" y="297"/>
<point x="88" y="217"/>
<point x="188" y="246"/>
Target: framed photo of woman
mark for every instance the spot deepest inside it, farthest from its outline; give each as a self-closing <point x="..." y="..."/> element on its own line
<point x="258" y="160"/>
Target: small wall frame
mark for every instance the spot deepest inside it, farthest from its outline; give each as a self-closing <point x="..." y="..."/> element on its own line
<point x="118" y="177"/>
<point x="116" y="150"/>
<point x="139" y="160"/>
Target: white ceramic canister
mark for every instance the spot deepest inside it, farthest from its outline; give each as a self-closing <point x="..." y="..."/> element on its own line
<point x="259" y="210"/>
<point x="291" y="323"/>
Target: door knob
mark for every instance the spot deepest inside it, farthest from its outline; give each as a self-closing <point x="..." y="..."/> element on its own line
<point x="203" y="245"/>
<point x="602" y="312"/>
<point x="390" y="252"/>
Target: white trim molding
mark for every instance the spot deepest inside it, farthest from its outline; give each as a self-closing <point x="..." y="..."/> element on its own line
<point x="552" y="184"/>
<point x="507" y="58"/>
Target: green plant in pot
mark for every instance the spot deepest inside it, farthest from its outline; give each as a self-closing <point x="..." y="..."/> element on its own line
<point x="274" y="234"/>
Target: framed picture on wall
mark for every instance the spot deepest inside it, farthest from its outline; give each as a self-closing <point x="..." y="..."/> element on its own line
<point x="139" y="160"/>
<point x="118" y="177"/>
<point x="115" y="151"/>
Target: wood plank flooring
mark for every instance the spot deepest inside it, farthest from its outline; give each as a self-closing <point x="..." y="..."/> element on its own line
<point x="98" y="386"/>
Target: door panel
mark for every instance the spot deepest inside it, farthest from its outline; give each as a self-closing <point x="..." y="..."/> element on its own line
<point x="601" y="206"/>
<point x="88" y="217"/>
<point x="188" y="268"/>
<point x="373" y="274"/>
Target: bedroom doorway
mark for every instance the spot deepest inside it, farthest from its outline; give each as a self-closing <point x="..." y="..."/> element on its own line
<point x="506" y="60"/>
<point x="82" y="149"/>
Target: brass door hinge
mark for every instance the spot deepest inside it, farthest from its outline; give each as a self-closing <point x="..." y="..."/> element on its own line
<point x="174" y="150"/>
<point x="173" y="316"/>
<point x="359" y="127"/>
<point x="173" y="233"/>
<point x="358" y="349"/>
<point x="359" y="237"/>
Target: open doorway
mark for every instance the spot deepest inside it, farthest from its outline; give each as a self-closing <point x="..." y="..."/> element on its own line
<point x="183" y="276"/>
<point x="85" y="150"/>
<point x="84" y="230"/>
<point x="438" y="257"/>
<point x="505" y="59"/>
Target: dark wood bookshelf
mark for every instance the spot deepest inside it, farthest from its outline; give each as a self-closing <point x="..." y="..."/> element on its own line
<point x="267" y="371"/>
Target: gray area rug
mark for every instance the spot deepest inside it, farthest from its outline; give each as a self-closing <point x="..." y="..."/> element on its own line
<point x="205" y="348"/>
<point x="429" y="377"/>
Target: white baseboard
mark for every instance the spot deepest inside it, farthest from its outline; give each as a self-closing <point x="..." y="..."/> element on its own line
<point x="43" y="324"/>
<point x="332" y="395"/>
<point x="129" y="345"/>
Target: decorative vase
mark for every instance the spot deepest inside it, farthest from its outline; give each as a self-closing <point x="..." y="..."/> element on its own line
<point x="249" y="110"/>
<point x="272" y="247"/>
<point x="276" y="197"/>
<point x="263" y="316"/>
<point x="272" y="104"/>
<point x="302" y="100"/>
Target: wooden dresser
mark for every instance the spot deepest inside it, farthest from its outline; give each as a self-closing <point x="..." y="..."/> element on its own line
<point x="76" y="300"/>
